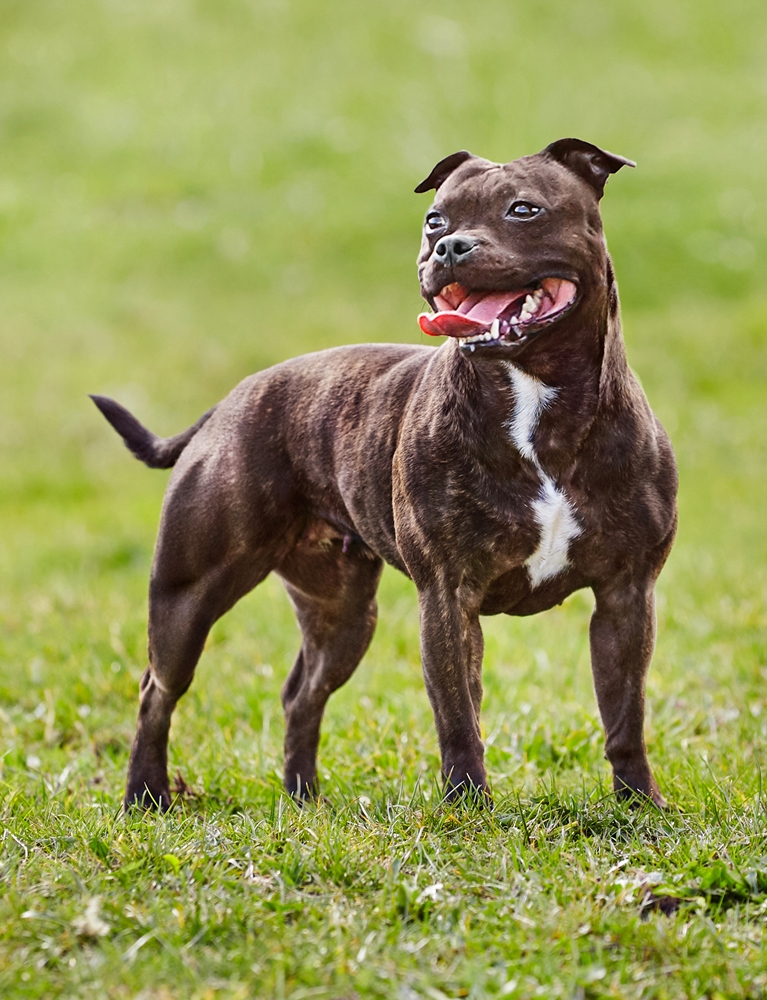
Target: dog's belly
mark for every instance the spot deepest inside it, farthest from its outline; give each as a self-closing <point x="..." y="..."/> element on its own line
<point x="514" y="594"/>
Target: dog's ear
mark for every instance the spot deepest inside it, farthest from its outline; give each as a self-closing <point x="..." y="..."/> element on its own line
<point x="442" y="171"/>
<point x="590" y="162"/>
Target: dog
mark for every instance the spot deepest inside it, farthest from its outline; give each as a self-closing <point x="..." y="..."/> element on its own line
<point x="514" y="464"/>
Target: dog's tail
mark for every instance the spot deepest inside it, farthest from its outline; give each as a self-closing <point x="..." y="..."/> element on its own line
<point x="156" y="452"/>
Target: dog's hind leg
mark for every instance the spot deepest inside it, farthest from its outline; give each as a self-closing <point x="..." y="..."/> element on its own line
<point x="332" y="584"/>
<point x="207" y="557"/>
<point x="180" y="617"/>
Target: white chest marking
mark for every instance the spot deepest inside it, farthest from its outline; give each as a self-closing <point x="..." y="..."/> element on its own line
<point x="553" y="511"/>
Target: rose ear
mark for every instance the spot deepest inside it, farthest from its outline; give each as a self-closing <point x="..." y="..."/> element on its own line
<point x="442" y="171"/>
<point x="590" y="162"/>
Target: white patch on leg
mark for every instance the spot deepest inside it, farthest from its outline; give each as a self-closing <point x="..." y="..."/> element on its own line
<point x="553" y="511"/>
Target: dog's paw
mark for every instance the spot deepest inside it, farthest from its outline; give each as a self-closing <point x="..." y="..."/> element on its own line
<point x="638" y="793"/>
<point x="467" y="792"/>
<point x="147" y="799"/>
<point x="302" y="791"/>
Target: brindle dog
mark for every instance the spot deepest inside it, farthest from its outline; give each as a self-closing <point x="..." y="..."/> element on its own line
<point x="516" y="463"/>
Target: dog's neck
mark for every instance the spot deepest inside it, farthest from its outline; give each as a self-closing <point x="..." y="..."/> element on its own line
<point x="569" y="376"/>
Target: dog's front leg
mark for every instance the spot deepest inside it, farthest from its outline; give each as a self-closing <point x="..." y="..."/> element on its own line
<point x="622" y="641"/>
<point x="451" y="649"/>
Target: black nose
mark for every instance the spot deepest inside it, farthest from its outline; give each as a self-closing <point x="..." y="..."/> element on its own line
<point x="454" y="249"/>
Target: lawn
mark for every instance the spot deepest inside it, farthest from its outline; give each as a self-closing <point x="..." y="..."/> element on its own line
<point x="192" y="190"/>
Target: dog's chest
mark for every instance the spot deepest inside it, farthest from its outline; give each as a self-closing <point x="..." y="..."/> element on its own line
<point x="552" y="509"/>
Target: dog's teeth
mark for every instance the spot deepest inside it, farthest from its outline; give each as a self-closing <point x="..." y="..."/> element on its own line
<point x="472" y="346"/>
<point x="537" y="295"/>
<point x="495" y="330"/>
<point x="461" y="341"/>
<point x="529" y="308"/>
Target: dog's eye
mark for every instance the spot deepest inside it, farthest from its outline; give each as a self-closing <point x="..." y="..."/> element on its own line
<point x="435" y="221"/>
<point x="522" y="210"/>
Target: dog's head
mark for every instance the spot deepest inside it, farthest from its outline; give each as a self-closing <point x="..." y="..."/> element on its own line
<point x="511" y="249"/>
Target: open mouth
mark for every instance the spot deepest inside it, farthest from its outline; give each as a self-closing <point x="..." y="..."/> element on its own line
<point x="486" y="318"/>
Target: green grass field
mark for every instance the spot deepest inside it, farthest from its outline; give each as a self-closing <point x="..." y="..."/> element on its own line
<point x="191" y="190"/>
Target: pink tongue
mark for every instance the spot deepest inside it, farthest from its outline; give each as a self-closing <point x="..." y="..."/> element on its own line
<point x="450" y="324"/>
<point x="488" y="306"/>
<point x="474" y="315"/>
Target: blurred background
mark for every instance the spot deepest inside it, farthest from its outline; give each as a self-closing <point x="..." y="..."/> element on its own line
<point x="191" y="190"/>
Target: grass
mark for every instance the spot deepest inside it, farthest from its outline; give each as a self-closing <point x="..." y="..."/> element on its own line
<point x="192" y="190"/>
